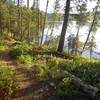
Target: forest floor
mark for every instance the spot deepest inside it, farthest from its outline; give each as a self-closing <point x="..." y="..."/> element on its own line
<point x="29" y="86"/>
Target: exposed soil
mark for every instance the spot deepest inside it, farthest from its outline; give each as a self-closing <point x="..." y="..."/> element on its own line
<point x="29" y="86"/>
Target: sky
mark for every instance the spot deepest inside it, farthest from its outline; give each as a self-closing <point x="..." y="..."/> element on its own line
<point x="90" y="5"/>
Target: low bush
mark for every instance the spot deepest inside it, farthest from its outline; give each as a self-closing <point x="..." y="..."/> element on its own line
<point x="20" y="53"/>
<point x="7" y="83"/>
<point x="81" y="67"/>
<point x="25" y="58"/>
<point x="66" y="90"/>
<point x="3" y="48"/>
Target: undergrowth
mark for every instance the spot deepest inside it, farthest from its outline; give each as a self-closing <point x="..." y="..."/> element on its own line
<point x="7" y="83"/>
<point x="49" y="67"/>
<point x="20" y="53"/>
<point x="84" y="68"/>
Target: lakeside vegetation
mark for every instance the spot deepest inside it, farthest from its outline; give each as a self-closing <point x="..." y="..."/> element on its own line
<point x="49" y="67"/>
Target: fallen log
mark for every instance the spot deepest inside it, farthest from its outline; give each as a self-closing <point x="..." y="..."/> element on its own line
<point x="56" y="54"/>
<point x="88" y="89"/>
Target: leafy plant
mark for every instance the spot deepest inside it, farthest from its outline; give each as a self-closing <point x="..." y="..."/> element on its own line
<point x="3" y="48"/>
<point x="25" y="58"/>
<point x="66" y="90"/>
<point x="7" y="82"/>
<point x="20" y="53"/>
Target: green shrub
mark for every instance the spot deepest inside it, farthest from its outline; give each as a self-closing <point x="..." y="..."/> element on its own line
<point x="66" y="90"/>
<point x="16" y="52"/>
<point x="1" y="38"/>
<point x="50" y="69"/>
<point x="19" y="50"/>
<point x="25" y="58"/>
<point x="3" y="48"/>
<point x="81" y="67"/>
<point x="7" y="82"/>
<point x="20" y="53"/>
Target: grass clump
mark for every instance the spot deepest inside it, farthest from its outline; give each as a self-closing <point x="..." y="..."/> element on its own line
<point x="26" y="58"/>
<point x="2" y="48"/>
<point x="20" y="53"/>
<point x="81" y="67"/>
<point x="7" y="83"/>
<point x="49" y="68"/>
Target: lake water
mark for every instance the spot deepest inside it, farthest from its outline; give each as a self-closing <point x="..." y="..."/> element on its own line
<point x="83" y="35"/>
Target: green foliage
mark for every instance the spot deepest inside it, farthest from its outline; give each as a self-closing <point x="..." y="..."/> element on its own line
<point x="66" y="89"/>
<point x="19" y="22"/>
<point x="83" y="15"/>
<point x="26" y="58"/>
<point x="3" y="48"/>
<point x="81" y="67"/>
<point x="19" y="50"/>
<point x="7" y="82"/>
<point x="3" y="45"/>
<point x="16" y="52"/>
<point x="20" y="53"/>
<point x="49" y="69"/>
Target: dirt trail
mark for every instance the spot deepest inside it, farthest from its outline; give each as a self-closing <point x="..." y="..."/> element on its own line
<point x="29" y="87"/>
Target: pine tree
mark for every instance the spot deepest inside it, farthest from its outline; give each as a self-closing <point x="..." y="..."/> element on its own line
<point x="64" y="28"/>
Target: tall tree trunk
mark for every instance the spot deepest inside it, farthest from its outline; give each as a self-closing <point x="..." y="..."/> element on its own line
<point x="34" y="4"/>
<point x="44" y="22"/>
<point x="28" y="23"/>
<point x="88" y="36"/>
<point x="54" y="19"/>
<point x="77" y="37"/>
<point x="21" y="22"/>
<point x="9" y="29"/>
<point x="18" y="17"/>
<point x="38" y="20"/>
<point x="27" y="3"/>
<point x="0" y="20"/>
<point x="64" y="28"/>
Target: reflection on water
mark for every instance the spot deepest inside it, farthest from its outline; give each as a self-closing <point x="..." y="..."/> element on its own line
<point x="72" y="29"/>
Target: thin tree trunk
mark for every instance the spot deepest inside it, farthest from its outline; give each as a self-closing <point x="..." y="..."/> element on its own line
<point x="90" y="29"/>
<point x="0" y="21"/>
<point x="27" y="3"/>
<point x="44" y="21"/>
<point x="77" y="37"/>
<point x="34" y="4"/>
<point x="47" y="35"/>
<point x="52" y="29"/>
<point x="19" y="18"/>
<point x="9" y="30"/>
<point x="28" y="23"/>
<point x="64" y="28"/>
<point x="38" y="19"/>
<point x="53" y="25"/>
<point x="21" y="22"/>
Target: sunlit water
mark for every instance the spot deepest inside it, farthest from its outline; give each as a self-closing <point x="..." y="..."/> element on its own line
<point x="72" y="29"/>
